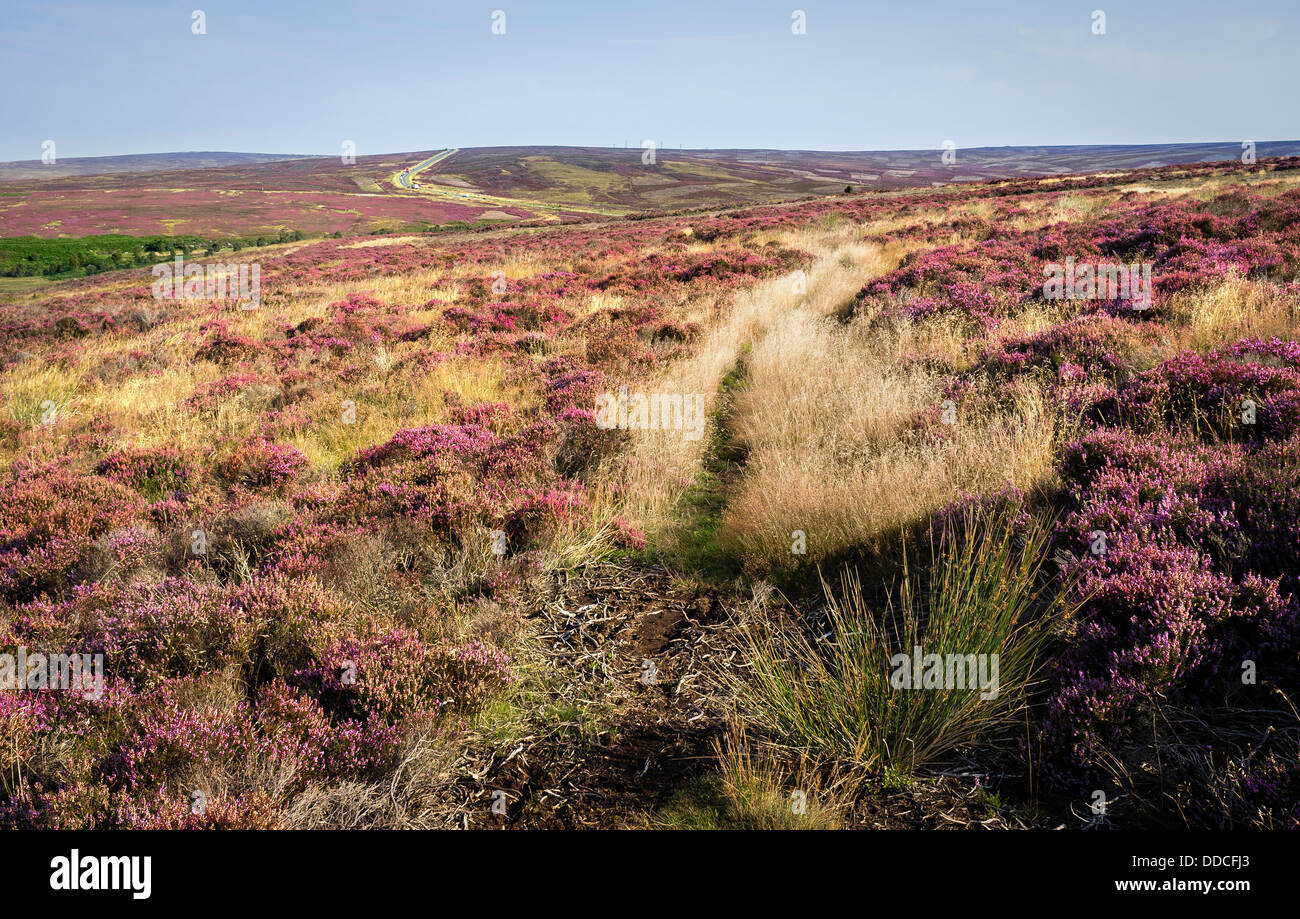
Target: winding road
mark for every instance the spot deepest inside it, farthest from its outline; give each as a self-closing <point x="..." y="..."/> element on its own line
<point x="403" y="179"/>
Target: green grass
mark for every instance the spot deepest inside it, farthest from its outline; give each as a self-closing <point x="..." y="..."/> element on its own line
<point x="750" y="792"/>
<point x="703" y="170"/>
<point x="699" y="805"/>
<point x="534" y="705"/>
<point x="19" y="285"/>
<point x="696" y="547"/>
<point x="831" y="695"/>
<point x="712" y="803"/>
<point x="991" y="801"/>
<point x="572" y="182"/>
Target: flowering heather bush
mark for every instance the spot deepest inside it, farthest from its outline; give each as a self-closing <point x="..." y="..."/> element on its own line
<point x="1188" y="468"/>
<point x="280" y="729"/>
<point x="209" y="396"/>
<point x="983" y="283"/>
<point x="261" y="464"/>
<point x="1261" y="791"/>
<point x="452" y="444"/>
<point x="295" y="642"/>
<point x="395" y="676"/>
<point x="626" y="536"/>
<point x="1264" y="495"/>
<point x="1208" y="394"/>
<point x="169" y="811"/>
<point x="124" y="554"/>
<point x="147" y="632"/>
<point x="471" y="673"/>
<point x="1186" y="587"/>
<point x="535" y="513"/>
<point x="164" y="642"/>
<point x="222" y="346"/>
<point x="583" y="445"/>
<point x="1083" y="348"/>
<point x="152" y="472"/>
<point x="1160" y="621"/>
<point x="49" y="519"/>
<point x="506" y="317"/>
<point x="958" y="517"/>
<point x="724" y="267"/>
<point x="1195" y="263"/>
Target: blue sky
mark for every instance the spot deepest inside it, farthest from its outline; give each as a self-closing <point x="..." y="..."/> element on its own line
<point x="129" y="76"/>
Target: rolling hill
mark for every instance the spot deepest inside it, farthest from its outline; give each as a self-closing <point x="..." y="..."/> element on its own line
<point x="134" y="162"/>
<point x="241" y="194"/>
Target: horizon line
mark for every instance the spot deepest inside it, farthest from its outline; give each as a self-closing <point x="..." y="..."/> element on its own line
<point x="1193" y="143"/>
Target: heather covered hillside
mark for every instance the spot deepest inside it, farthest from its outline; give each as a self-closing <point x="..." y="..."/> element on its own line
<point x="660" y="522"/>
<point x="226" y="196"/>
<point x="63" y="167"/>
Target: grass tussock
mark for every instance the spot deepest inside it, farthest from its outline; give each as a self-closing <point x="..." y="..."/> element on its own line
<point x="832" y="692"/>
<point x="753" y="791"/>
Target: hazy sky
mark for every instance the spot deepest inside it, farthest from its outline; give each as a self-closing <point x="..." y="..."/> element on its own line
<point x="129" y="76"/>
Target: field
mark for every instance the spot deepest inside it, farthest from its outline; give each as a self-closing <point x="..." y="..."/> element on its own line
<point x="63" y="167"/>
<point x="315" y="196"/>
<point x="397" y="545"/>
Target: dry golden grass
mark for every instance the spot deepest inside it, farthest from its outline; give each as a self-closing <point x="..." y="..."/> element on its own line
<point x="150" y="409"/>
<point x="387" y="400"/>
<point x="1237" y="308"/>
<point x="822" y="411"/>
<point x="646" y="484"/>
<point x="384" y="241"/>
<point x="823" y="414"/>
<point x="841" y="503"/>
<point x="414" y="797"/>
<point x="34" y="392"/>
<point x="810" y="391"/>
